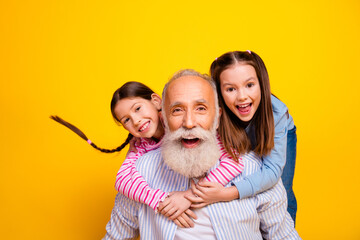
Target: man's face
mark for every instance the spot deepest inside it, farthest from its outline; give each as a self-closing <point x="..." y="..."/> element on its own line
<point x="190" y="103"/>
<point x="190" y="147"/>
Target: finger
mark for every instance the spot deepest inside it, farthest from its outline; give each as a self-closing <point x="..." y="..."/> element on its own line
<point x="191" y="214"/>
<point x="183" y="222"/>
<point x="192" y="184"/>
<point x="206" y="184"/>
<point x="201" y="190"/>
<point x="201" y="180"/>
<point x="178" y="223"/>
<point x="170" y="212"/>
<point x="197" y="192"/>
<point x="194" y="199"/>
<point x="175" y="215"/>
<point x="189" y="222"/>
<point x="198" y="205"/>
<point x="166" y="209"/>
<point x="163" y="204"/>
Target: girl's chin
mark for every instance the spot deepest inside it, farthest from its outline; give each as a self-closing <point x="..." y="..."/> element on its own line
<point x="246" y="118"/>
<point x="148" y="134"/>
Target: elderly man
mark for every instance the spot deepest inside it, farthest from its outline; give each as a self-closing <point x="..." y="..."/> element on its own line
<point x="189" y="150"/>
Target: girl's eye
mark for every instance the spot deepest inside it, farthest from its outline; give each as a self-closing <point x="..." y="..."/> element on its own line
<point x="126" y="120"/>
<point x="230" y="89"/>
<point x="137" y="109"/>
<point x="249" y="85"/>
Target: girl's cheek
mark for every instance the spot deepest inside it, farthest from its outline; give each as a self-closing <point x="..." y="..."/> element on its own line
<point x="228" y="99"/>
<point x="129" y="130"/>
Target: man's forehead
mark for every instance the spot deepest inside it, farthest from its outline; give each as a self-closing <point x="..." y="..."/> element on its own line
<point x="189" y="88"/>
<point x="195" y="101"/>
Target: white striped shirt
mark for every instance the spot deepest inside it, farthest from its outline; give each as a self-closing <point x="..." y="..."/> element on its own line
<point x="258" y="217"/>
<point x="130" y="182"/>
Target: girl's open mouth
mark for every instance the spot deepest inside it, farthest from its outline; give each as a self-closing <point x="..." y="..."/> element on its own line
<point x="244" y="108"/>
<point x="144" y="127"/>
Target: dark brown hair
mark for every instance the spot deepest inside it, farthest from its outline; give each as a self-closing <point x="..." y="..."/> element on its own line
<point x="128" y="90"/>
<point x="231" y="128"/>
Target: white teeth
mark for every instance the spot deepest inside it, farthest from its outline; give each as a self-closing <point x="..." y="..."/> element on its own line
<point x="144" y="127"/>
<point x="244" y="105"/>
<point x="189" y="137"/>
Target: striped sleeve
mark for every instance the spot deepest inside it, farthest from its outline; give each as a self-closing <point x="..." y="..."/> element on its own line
<point x="130" y="183"/>
<point x="124" y="222"/>
<point x="228" y="168"/>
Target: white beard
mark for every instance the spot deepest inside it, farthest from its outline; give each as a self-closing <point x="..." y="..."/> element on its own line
<point x="191" y="162"/>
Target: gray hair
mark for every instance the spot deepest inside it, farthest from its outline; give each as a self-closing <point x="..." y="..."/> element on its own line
<point x="190" y="72"/>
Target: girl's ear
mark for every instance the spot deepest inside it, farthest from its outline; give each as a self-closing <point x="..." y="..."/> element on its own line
<point x="156" y="100"/>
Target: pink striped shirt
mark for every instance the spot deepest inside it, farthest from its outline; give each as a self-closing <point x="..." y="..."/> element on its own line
<point x="131" y="184"/>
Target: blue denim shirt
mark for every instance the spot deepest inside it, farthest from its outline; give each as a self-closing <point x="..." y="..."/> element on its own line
<point x="273" y="163"/>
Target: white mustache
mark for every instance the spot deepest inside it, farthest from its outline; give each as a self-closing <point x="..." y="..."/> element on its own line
<point x="190" y="162"/>
<point x="192" y="133"/>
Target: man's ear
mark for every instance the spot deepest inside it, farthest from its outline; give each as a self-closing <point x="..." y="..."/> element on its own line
<point x="218" y="122"/>
<point x="156" y="100"/>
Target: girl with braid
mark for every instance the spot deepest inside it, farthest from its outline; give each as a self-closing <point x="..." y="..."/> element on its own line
<point x="137" y="108"/>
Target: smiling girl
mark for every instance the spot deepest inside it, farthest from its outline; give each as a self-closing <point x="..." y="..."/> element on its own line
<point x="252" y="120"/>
<point x="137" y="108"/>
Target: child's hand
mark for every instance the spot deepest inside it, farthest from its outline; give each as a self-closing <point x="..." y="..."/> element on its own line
<point x="184" y="220"/>
<point x="210" y="192"/>
<point x="133" y="143"/>
<point x="175" y="204"/>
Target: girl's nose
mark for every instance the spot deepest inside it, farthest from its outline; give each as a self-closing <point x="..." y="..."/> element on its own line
<point x="241" y="95"/>
<point x="136" y="120"/>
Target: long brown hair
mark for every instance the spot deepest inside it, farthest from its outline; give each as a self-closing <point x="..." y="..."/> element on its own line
<point x="231" y="128"/>
<point x="128" y="90"/>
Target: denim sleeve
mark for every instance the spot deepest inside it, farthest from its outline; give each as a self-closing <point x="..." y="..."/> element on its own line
<point x="272" y="167"/>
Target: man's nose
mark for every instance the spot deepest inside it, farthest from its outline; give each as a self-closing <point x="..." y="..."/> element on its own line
<point x="189" y="121"/>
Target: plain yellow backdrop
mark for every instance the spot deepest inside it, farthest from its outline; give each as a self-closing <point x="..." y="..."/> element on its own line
<point x="68" y="57"/>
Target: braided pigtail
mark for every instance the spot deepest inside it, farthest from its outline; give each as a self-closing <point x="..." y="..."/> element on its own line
<point x="118" y="149"/>
<point x="83" y="136"/>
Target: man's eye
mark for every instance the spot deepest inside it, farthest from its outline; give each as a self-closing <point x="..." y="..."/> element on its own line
<point x="176" y="110"/>
<point x="202" y="108"/>
<point x="249" y="85"/>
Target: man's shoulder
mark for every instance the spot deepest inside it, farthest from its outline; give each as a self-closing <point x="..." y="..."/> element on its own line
<point x="154" y="156"/>
<point x="252" y="163"/>
<point x="149" y="163"/>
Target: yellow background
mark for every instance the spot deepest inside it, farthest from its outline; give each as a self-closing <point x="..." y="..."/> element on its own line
<point x="68" y="57"/>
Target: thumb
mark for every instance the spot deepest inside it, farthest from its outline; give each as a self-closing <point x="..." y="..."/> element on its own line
<point x="194" y="199"/>
<point x="207" y="184"/>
